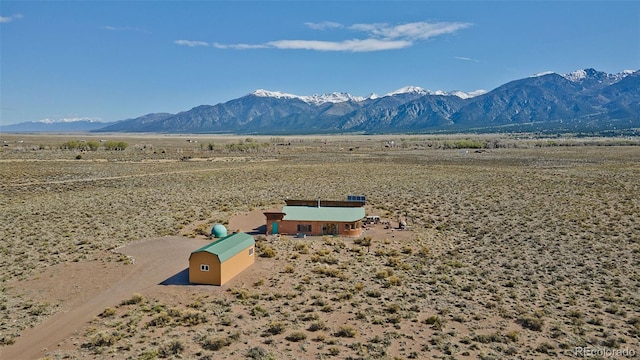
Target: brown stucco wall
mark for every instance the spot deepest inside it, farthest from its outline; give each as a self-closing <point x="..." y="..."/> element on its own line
<point x="288" y="227"/>
<point x="218" y="274"/>
<point x="204" y="277"/>
<point x="237" y="264"/>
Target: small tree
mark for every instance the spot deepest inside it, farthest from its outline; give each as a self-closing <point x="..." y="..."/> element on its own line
<point x="92" y="145"/>
<point x="115" y="145"/>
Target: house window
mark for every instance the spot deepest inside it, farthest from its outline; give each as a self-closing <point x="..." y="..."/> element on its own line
<point x="304" y="227"/>
<point x="204" y="267"/>
<point x="251" y="251"/>
<point x="347" y="226"/>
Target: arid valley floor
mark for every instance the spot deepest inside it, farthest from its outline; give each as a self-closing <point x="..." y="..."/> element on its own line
<point x="519" y="248"/>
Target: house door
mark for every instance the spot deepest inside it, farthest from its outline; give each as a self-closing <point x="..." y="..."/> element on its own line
<point x="330" y="229"/>
<point x="274" y="227"/>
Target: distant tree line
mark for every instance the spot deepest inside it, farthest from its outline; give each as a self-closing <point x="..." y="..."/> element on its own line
<point x="248" y="145"/>
<point x="93" y="145"/>
<point x="80" y="145"/>
<point x="115" y="145"/>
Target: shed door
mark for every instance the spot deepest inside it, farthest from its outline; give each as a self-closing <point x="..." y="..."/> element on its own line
<point x="274" y="228"/>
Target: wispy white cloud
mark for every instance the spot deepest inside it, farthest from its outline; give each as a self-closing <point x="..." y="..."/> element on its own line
<point x="411" y="31"/>
<point x="325" y="25"/>
<point x="8" y="19"/>
<point x="191" y="43"/>
<point x="238" y="46"/>
<point x="466" y="59"/>
<point x="126" y="28"/>
<point x="355" y="45"/>
<point x="378" y="37"/>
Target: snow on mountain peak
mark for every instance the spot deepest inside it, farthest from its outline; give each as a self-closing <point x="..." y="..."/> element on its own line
<point x="420" y="91"/>
<point x="576" y="75"/>
<point x="340" y="97"/>
<point x="273" y="94"/>
<point x="409" y="90"/>
<point x="68" y="120"/>
<point x="542" y="73"/>
<point x="586" y="74"/>
<point x="335" y="97"/>
<point x="468" y="95"/>
<point x="579" y="75"/>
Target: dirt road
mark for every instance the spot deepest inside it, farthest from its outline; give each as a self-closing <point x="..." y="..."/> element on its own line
<point x="156" y="260"/>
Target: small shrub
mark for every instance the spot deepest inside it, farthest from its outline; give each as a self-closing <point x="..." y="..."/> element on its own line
<point x="383" y="274"/>
<point x="531" y="323"/>
<point x="302" y="247"/>
<point x="173" y="347"/>
<point x="334" y="351"/>
<point x="512" y="336"/>
<point x="346" y="331"/>
<point x="6" y="340"/>
<point x="103" y="339"/>
<point x="365" y="241"/>
<point x="226" y="321"/>
<point x="193" y="317"/>
<point x="258" y="353"/>
<point x="317" y="325"/>
<point x="296" y="336"/>
<point x="393" y="281"/>
<point x="108" y="312"/>
<point x="546" y="348"/>
<point x="392" y="308"/>
<point x="215" y="343"/>
<point x="160" y="320"/>
<point x="276" y="328"/>
<point x="374" y="293"/>
<point x="435" y="321"/>
<point x="511" y="351"/>
<point x="267" y="252"/>
<point x="259" y="311"/>
<point x="135" y="299"/>
<point x="424" y="251"/>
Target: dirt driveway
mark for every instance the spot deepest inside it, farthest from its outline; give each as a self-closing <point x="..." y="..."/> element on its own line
<point x="157" y="261"/>
<point x="84" y="290"/>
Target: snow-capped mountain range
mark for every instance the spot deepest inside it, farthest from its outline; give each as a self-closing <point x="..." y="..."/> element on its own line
<point x="338" y="97"/>
<point x="583" y="100"/>
<point x="583" y="74"/>
<point x="335" y="97"/>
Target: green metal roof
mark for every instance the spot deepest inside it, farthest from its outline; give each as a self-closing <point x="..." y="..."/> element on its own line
<point x="314" y="213"/>
<point x="228" y="246"/>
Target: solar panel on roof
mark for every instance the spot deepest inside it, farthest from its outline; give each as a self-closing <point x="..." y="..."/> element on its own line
<point x="361" y="198"/>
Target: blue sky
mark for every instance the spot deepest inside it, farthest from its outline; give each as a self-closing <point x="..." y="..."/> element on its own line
<point x="112" y="60"/>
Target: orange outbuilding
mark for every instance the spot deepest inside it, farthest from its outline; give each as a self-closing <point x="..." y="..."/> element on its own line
<point x="221" y="260"/>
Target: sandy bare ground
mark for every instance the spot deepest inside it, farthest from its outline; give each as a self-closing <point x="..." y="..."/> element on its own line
<point x="156" y="260"/>
<point x="71" y="181"/>
<point x="86" y="289"/>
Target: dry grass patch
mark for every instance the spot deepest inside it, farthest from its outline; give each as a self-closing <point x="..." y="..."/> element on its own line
<point x="524" y="251"/>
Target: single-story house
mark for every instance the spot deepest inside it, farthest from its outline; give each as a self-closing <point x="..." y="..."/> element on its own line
<point x="316" y="217"/>
<point x="221" y="260"/>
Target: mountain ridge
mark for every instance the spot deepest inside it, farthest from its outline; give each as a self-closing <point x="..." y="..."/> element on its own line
<point x="585" y="99"/>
